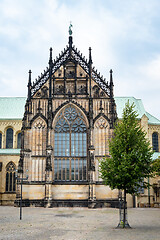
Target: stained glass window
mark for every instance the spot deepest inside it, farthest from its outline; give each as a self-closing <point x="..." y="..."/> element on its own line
<point x="10" y="177"/>
<point x="155" y="141"/>
<point x="70" y="146"/>
<point x="9" y="138"/>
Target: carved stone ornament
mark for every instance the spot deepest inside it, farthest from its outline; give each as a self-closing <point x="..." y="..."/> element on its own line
<point x="82" y="89"/>
<point x="70" y="74"/>
<point x="39" y="124"/>
<point x="38" y="95"/>
<point x="96" y="90"/>
<point x="101" y="123"/>
<point x="70" y="87"/>
<point x="59" y="62"/>
<point x="44" y="92"/>
<point x="102" y="94"/>
<point x="60" y="89"/>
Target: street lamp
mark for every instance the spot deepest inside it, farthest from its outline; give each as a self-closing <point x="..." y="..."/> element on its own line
<point x="49" y="150"/>
<point x="91" y="157"/>
<point x="92" y="197"/>
<point x="21" y="181"/>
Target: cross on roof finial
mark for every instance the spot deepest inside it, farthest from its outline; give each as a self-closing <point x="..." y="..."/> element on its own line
<point x="70" y="30"/>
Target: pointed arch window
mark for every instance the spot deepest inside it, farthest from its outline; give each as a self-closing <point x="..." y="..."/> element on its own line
<point x="155" y="141"/>
<point x="10" y="177"/>
<point x="0" y="140"/>
<point x="9" y="138"/>
<point x="70" y="146"/>
<point x="19" y="140"/>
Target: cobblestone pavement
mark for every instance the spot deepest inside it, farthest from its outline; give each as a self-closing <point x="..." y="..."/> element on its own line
<point x="77" y="224"/>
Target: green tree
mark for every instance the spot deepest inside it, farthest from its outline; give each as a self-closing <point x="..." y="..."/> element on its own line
<point x="131" y="157"/>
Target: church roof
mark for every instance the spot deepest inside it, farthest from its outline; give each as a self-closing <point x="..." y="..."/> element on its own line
<point x="9" y="151"/>
<point x="121" y="101"/>
<point x="152" y="119"/>
<point x="13" y="108"/>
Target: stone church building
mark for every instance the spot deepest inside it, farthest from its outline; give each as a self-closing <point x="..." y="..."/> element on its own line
<point x="69" y="117"/>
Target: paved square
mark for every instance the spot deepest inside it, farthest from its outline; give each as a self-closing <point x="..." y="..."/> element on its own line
<point x="77" y="224"/>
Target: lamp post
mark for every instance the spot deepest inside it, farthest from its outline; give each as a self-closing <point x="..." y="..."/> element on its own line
<point x="91" y="156"/>
<point x="21" y="181"/>
<point x="149" y="198"/>
<point x="48" y="184"/>
<point x="92" y="197"/>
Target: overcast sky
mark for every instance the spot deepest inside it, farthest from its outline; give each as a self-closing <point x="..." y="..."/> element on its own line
<point x="124" y="36"/>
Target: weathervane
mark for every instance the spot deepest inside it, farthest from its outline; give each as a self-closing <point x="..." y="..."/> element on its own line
<point x="70" y="30"/>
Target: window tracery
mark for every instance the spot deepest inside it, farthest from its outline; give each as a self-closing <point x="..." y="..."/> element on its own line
<point x="101" y="123"/>
<point x="70" y="146"/>
<point x="39" y="124"/>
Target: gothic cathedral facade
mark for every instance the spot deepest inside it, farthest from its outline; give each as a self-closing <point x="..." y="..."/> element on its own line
<point x="69" y="116"/>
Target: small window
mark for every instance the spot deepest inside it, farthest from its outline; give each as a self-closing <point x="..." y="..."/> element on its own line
<point x="9" y="138"/>
<point x="19" y="140"/>
<point x="155" y="141"/>
<point x="10" y="177"/>
<point x="0" y="140"/>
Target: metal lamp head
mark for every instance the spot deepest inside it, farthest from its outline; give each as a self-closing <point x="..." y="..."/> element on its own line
<point x="91" y="149"/>
<point x="49" y="150"/>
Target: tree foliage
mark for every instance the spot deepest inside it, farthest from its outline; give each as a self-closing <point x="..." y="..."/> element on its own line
<point x="156" y="166"/>
<point x="131" y="155"/>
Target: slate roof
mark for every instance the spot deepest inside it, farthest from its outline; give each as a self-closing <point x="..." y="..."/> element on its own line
<point x="13" y="108"/>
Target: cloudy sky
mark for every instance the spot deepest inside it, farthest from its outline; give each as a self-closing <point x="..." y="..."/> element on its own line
<point x="124" y="35"/>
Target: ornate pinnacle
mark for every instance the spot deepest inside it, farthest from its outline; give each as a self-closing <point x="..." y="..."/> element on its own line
<point x="90" y="56"/>
<point x="111" y="78"/>
<point x="29" y="80"/>
<point x="50" y="58"/>
<point x="29" y="85"/>
<point x="50" y="73"/>
<point x="111" y="84"/>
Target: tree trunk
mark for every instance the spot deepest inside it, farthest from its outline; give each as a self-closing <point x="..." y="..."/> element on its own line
<point x="124" y="209"/>
<point x="123" y="222"/>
